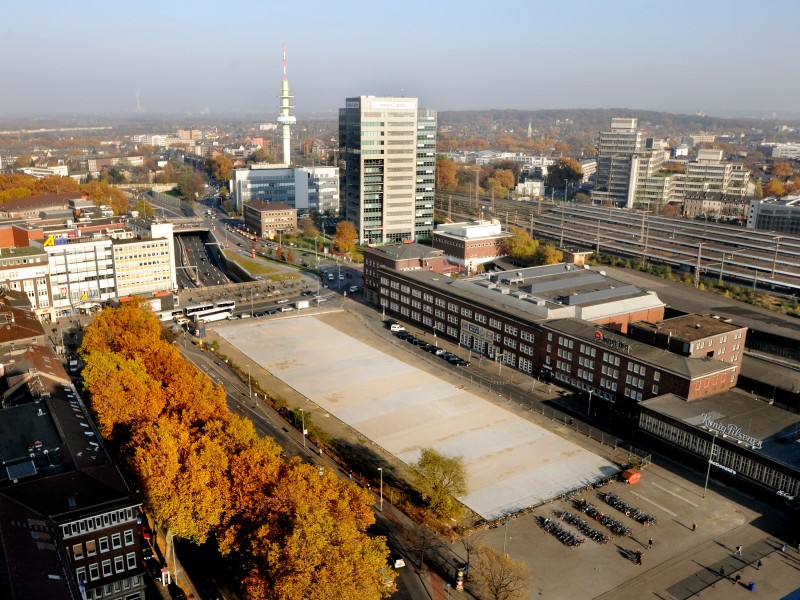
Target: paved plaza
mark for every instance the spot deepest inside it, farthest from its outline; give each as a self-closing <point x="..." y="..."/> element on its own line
<point x="511" y="463"/>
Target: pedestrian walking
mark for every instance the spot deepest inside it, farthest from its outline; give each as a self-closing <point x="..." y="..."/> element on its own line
<point x="758" y="565"/>
<point x="650" y="544"/>
<point x="694" y="526"/>
<point x="738" y="551"/>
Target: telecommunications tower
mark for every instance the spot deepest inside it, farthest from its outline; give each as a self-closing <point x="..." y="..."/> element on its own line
<point x="284" y="119"/>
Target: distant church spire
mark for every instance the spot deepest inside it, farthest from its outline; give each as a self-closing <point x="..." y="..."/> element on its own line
<point x="530" y="129"/>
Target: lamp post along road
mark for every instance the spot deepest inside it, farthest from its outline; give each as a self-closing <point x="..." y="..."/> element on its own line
<point x="710" y="458"/>
<point x="381" y="472"/>
<point x="303" y="425"/>
<point x="249" y="384"/>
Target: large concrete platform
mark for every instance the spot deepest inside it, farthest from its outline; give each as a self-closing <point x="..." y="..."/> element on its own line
<point x="511" y="463"/>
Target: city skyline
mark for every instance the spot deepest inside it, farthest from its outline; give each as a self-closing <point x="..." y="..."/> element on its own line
<point x="96" y="58"/>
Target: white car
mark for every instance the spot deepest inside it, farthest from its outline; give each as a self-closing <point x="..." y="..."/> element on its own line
<point x="399" y="563"/>
<point x="282" y="301"/>
<point x="395" y="327"/>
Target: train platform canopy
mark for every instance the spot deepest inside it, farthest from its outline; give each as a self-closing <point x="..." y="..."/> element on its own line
<point x="511" y="463"/>
<point x="762" y="427"/>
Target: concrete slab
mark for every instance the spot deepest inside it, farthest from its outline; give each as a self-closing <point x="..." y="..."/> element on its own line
<point x="511" y="463"/>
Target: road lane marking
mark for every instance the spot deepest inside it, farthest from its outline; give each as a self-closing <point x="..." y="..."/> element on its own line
<point x="678" y="496"/>
<point x="666" y="510"/>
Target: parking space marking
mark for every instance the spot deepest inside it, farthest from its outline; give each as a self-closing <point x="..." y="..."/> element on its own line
<point x="666" y="510"/>
<point x="678" y="496"/>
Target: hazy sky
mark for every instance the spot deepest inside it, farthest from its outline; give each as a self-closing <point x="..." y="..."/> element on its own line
<point x="224" y="56"/>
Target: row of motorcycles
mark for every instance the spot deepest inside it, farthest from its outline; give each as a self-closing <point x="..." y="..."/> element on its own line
<point x="583" y="527"/>
<point x="563" y="535"/>
<point x="629" y="510"/>
<point x="590" y="509"/>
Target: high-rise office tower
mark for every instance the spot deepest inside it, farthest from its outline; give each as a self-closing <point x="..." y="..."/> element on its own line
<point x="389" y="149"/>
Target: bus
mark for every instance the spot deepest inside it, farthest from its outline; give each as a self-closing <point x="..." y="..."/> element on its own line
<point x="171" y="315"/>
<point x="213" y="314"/>
<point x="191" y="310"/>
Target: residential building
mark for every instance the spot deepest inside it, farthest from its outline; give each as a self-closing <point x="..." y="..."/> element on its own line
<point x="731" y="207"/>
<point x="39" y="172"/>
<point x="68" y="519"/>
<point x="775" y="214"/>
<point x="469" y="244"/>
<point x="615" y="151"/>
<point x="388" y="146"/>
<point x="303" y="188"/>
<point x="31" y="208"/>
<point x="25" y="269"/>
<point x="268" y="219"/>
<point x="533" y="188"/>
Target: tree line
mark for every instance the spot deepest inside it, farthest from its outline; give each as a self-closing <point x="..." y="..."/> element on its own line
<point x="204" y="473"/>
<point x="25" y="186"/>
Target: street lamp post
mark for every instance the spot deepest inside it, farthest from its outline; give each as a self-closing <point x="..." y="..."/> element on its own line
<point x="381" y="471"/>
<point x="249" y="385"/>
<point x="303" y="425"/>
<point x="589" y="408"/>
<point x="777" y="240"/>
<point x="710" y="458"/>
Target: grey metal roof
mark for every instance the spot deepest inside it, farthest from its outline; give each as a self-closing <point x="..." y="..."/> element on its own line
<point x="778" y="429"/>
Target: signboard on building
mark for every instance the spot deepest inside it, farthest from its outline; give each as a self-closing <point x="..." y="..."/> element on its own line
<point x="480" y="332"/>
<point x="730" y="430"/>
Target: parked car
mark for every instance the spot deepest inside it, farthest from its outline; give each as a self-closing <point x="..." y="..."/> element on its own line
<point x="272" y="311"/>
<point x="396" y="327"/>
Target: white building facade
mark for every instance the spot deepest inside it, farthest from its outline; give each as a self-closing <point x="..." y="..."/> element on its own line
<point x="303" y="188"/>
<point x="388" y="145"/>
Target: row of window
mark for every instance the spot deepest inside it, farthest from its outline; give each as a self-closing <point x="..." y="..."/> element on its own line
<point x="89" y="548"/>
<point x="97" y="523"/>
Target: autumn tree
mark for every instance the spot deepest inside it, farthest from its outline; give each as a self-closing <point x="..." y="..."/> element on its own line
<point x="279" y="253"/>
<point x="102" y="193"/>
<point x="220" y="168"/>
<point x="501" y="577"/>
<point x="565" y="170"/>
<point x="446" y="171"/>
<point x="781" y="169"/>
<point x="290" y="256"/>
<point x="774" y="187"/>
<point x="547" y="254"/>
<point x="54" y="184"/>
<point x="308" y="228"/>
<point x="440" y="478"/>
<point x="23" y="161"/>
<point x="345" y="238"/>
<point x="519" y="245"/>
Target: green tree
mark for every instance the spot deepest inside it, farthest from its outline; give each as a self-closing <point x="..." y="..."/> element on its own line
<point x="262" y="155"/>
<point x="520" y="245"/>
<point x="500" y="577"/>
<point x="441" y="478"/>
<point x="565" y="170"/>
<point x="344" y="240"/>
<point x="190" y="184"/>
<point x="308" y="228"/>
<point x="144" y="208"/>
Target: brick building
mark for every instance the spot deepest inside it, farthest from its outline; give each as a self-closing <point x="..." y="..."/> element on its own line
<point x="268" y="219"/>
<point x="470" y="244"/>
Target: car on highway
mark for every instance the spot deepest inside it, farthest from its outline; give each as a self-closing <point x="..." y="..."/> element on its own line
<point x="272" y="311"/>
<point x="306" y="293"/>
<point x="398" y="562"/>
<point x="282" y="301"/>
